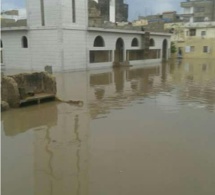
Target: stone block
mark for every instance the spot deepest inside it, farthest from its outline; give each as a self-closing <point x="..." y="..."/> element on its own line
<point x="10" y="92"/>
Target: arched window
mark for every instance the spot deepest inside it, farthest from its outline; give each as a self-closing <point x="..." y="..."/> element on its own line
<point x="99" y="42"/>
<point x="1" y="43"/>
<point x="134" y="42"/>
<point x="152" y="42"/>
<point x="24" y="42"/>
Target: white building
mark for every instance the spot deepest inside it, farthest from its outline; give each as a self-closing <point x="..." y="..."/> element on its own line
<point x="57" y="34"/>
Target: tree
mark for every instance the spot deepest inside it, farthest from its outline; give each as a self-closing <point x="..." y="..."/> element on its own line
<point x="173" y="48"/>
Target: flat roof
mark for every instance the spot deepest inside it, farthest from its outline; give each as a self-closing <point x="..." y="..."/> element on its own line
<point x="91" y="29"/>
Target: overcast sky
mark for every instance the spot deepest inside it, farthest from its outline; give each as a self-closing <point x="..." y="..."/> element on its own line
<point x="136" y="7"/>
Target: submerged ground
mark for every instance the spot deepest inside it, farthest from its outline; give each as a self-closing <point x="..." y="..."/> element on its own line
<point x="142" y="130"/>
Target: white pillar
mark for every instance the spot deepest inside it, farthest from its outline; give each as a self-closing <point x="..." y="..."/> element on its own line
<point x="112" y="11"/>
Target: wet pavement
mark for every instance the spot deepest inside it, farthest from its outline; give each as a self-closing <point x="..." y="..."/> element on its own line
<point x="142" y="130"/>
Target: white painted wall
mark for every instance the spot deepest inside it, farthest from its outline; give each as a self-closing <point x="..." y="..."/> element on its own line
<point x="45" y="49"/>
<point x="75" y="49"/>
<point x="51" y="11"/>
<point x="112" y="11"/>
<point x="57" y="13"/>
<point x="80" y="13"/>
<point x="14" y="55"/>
<point x="111" y="38"/>
<point x="110" y="44"/>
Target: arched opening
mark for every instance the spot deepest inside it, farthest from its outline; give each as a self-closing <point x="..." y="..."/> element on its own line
<point x="1" y="44"/>
<point x="151" y="43"/>
<point x="99" y="42"/>
<point x="165" y="49"/>
<point x="119" y="52"/>
<point x="134" y="42"/>
<point x="24" y="42"/>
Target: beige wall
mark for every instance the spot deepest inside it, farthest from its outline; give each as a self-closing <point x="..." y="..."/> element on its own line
<point x="181" y="37"/>
<point x="198" y="45"/>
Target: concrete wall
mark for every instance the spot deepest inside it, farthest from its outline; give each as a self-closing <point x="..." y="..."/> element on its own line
<point x="66" y="49"/>
<point x="75" y="49"/>
<point x="51" y="13"/>
<point x="45" y="49"/>
<point x="198" y="45"/>
<point x="210" y="32"/>
<point x="81" y="14"/>
<point x="14" y="56"/>
<point x="57" y="12"/>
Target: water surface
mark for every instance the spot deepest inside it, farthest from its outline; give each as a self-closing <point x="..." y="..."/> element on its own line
<point x="142" y="130"/>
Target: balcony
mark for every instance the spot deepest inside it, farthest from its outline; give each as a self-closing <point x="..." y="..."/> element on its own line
<point x="186" y="4"/>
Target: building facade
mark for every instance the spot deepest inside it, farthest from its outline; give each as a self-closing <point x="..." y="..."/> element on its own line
<point x="57" y="35"/>
<point x="198" y="10"/>
<point x="196" y="40"/>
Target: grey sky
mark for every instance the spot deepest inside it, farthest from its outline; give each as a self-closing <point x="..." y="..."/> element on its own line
<point x="136" y="7"/>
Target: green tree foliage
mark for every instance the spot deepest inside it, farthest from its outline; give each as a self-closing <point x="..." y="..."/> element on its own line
<point x="173" y="48"/>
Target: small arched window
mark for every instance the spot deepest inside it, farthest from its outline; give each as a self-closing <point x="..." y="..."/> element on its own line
<point x="134" y="42"/>
<point x="99" y="42"/>
<point x="152" y="42"/>
<point x="1" y="43"/>
<point x="24" y="42"/>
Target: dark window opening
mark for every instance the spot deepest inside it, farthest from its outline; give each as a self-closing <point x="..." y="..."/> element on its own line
<point x="192" y="32"/>
<point x="134" y="42"/>
<point x="199" y="9"/>
<point x="205" y="49"/>
<point x="154" y="54"/>
<point x="42" y="12"/>
<point x="100" y="56"/>
<point x="203" y="33"/>
<point x="73" y="12"/>
<point x="1" y="54"/>
<point x="99" y="42"/>
<point x="24" y="42"/>
<point x="152" y="42"/>
<point x="135" y="55"/>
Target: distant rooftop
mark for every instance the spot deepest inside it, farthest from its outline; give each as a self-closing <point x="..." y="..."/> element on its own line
<point x="13" y="23"/>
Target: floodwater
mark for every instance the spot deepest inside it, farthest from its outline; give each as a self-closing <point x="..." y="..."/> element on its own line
<point x="142" y="130"/>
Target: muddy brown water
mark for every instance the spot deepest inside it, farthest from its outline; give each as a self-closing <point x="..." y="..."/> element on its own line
<point x="142" y="130"/>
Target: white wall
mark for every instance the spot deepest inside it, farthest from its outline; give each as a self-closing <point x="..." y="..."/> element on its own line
<point x="110" y="44"/>
<point x="75" y="49"/>
<point x="81" y="13"/>
<point x="111" y="38"/>
<point x="14" y="55"/>
<point x="51" y="12"/>
<point x="112" y="10"/>
<point x="57" y="13"/>
<point x="45" y="49"/>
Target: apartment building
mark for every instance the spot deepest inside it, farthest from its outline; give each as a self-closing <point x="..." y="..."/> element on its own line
<point x="198" y="10"/>
<point x="196" y="40"/>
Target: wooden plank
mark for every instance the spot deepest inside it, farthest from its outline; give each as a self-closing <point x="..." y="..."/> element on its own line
<point x="37" y="97"/>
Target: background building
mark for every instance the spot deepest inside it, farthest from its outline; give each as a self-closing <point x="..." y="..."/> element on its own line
<point x="198" y="10"/>
<point x="117" y="6"/>
<point x="196" y="40"/>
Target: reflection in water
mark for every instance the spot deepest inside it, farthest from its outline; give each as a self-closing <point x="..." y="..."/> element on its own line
<point x="119" y="79"/>
<point x="154" y="127"/>
<point x="78" y="154"/>
<point x="51" y="155"/>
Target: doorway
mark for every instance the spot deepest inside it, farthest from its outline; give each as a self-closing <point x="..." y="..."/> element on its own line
<point x="119" y="52"/>
<point x="165" y="49"/>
